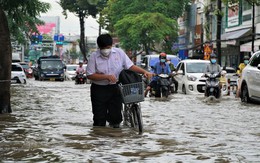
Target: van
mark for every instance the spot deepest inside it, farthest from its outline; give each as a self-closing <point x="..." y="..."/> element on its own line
<point x="49" y="68"/>
<point x="16" y="57"/>
<point x="151" y="60"/>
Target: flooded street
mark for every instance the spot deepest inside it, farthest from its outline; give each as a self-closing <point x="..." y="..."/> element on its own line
<point x="52" y="122"/>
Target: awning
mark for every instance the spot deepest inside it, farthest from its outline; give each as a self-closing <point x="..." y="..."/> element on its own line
<point x="230" y="37"/>
<point x="247" y="47"/>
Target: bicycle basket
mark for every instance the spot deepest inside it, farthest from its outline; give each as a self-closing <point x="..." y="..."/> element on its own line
<point x="132" y="93"/>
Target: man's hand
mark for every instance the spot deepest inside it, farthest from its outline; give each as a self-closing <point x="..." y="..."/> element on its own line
<point x="148" y="75"/>
<point x="112" y="79"/>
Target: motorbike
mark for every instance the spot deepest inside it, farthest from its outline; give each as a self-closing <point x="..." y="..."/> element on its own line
<point x="212" y="85"/>
<point x="164" y="86"/>
<point x="80" y="79"/>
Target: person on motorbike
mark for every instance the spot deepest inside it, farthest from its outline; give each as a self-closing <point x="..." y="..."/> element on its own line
<point x="213" y="67"/>
<point x="239" y="73"/>
<point x="80" y="69"/>
<point x="161" y="67"/>
<point x="173" y="69"/>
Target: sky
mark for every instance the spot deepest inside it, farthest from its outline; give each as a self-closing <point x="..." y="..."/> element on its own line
<point x="71" y="24"/>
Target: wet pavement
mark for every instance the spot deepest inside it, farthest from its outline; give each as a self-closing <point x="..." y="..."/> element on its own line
<point x="52" y="122"/>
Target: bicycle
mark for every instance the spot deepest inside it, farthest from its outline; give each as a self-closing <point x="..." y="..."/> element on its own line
<point x="132" y="95"/>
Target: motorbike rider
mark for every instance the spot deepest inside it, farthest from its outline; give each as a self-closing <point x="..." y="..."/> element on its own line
<point x="80" y="69"/>
<point x="239" y="72"/>
<point x="213" y="67"/>
<point x="161" y="67"/>
<point x="173" y="69"/>
<point x="242" y="65"/>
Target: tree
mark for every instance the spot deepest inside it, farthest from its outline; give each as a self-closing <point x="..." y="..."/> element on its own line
<point x="142" y="31"/>
<point x="143" y="23"/>
<point x="82" y="9"/>
<point x="20" y="15"/>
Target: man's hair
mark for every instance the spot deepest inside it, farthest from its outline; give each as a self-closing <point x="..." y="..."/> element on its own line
<point x="104" y="40"/>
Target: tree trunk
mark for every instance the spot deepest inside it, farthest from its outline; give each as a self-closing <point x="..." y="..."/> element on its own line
<point x="5" y="65"/>
<point x="253" y="31"/>
<point x="219" y="19"/>
<point x="82" y="42"/>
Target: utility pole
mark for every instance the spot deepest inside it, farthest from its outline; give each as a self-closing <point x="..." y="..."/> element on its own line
<point x="218" y="37"/>
<point x="253" y="30"/>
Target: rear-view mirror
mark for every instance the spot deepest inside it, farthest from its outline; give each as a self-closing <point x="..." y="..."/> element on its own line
<point x="143" y="64"/>
<point x="180" y="72"/>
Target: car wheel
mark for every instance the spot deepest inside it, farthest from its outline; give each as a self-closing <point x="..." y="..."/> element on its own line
<point x="24" y="81"/>
<point x="184" y="89"/>
<point x="244" y="94"/>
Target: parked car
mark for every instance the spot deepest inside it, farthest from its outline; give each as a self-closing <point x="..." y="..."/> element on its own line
<point x="250" y="80"/>
<point x="27" y="70"/>
<point x="151" y="60"/>
<point x="189" y="76"/>
<point x="17" y="74"/>
<point x="232" y="75"/>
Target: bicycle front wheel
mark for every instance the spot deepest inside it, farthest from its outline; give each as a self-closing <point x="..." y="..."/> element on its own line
<point x="137" y="114"/>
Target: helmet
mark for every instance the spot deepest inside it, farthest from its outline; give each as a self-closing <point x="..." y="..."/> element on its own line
<point x="213" y="55"/>
<point x="162" y="55"/>
<point x="80" y="63"/>
<point x="246" y="57"/>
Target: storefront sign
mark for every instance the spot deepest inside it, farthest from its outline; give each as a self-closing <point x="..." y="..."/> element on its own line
<point x="233" y="15"/>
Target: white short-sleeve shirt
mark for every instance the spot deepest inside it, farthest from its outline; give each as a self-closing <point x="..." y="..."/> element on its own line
<point x="113" y="65"/>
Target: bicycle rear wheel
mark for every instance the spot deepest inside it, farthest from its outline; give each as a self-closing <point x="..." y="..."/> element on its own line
<point x="137" y="116"/>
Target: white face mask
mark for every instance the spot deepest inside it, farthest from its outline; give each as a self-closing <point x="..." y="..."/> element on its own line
<point x="105" y="52"/>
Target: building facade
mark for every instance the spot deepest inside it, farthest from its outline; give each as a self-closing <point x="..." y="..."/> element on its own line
<point x="198" y="29"/>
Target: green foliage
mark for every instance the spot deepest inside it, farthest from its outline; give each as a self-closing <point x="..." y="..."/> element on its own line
<point x="142" y="23"/>
<point x="145" y="29"/>
<point x="79" y="7"/>
<point x="22" y="16"/>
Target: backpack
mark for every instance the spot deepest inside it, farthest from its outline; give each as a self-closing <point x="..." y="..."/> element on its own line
<point x="128" y="76"/>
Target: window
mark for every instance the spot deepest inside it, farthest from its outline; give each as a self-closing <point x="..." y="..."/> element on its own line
<point x="16" y="68"/>
<point x="255" y="60"/>
<point x="196" y="67"/>
<point x="246" y="6"/>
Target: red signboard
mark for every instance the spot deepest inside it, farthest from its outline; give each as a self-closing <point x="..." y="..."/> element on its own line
<point x="47" y="28"/>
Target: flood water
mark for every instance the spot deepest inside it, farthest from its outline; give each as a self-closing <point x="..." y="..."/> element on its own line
<point x="52" y="122"/>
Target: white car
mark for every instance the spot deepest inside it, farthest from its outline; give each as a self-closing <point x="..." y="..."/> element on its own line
<point x="151" y="60"/>
<point x="231" y="75"/>
<point x="71" y="71"/>
<point x="250" y="80"/>
<point x="189" y="76"/>
<point x="17" y="74"/>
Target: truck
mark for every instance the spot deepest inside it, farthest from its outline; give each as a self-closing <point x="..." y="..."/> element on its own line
<point x="49" y="68"/>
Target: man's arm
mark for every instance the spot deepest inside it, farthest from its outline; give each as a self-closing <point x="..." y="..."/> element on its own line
<point x="141" y="71"/>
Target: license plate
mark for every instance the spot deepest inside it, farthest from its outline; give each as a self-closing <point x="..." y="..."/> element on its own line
<point x="52" y="79"/>
<point x="13" y="81"/>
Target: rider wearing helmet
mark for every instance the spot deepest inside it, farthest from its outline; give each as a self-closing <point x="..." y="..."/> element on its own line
<point x="160" y="67"/>
<point x="213" y="67"/>
<point x="80" y="69"/>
